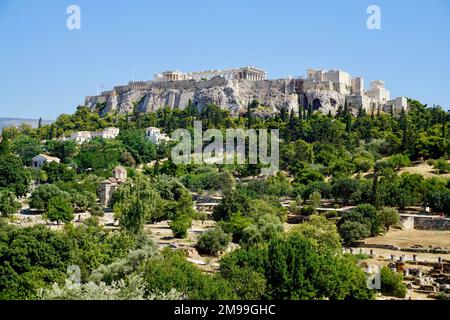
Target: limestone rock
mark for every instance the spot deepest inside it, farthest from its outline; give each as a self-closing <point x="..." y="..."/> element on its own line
<point x="232" y="95"/>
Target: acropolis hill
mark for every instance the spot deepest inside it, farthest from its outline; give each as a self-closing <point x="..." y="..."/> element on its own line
<point x="234" y="89"/>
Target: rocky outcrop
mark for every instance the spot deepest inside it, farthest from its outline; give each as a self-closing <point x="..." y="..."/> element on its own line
<point x="233" y="95"/>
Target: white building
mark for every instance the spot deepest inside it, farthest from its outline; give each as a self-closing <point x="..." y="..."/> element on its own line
<point x="38" y="161"/>
<point x="83" y="136"/>
<point x="358" y="86"/>
<point x="107" y="133"/>
<point x="335" y="80"/>
<point x="378" y="92"/>
<point x="399" y="104"/>
<point x="80" y="136"/>
<point x="154" y="135"/>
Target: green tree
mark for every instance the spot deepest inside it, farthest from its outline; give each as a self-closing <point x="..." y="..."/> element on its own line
<point x="439" y="201"/>
<point x="392" y="283"/>
<point x="213" y="241"/>
<point x="100" y="155"/>
<point x="232" y="203"/>
<point x="343" y="189"/>
<point x="295" y="269"/>
<point x="8" y="203"/>
<point x="442" y="166"/>
<point x="26" y="148"/>
<point x="399" y="161"/>
<point x="141" y="148"/>
<point x="180" y="225"/>
<point x="316" y="199"/>
<point x="135" y="203"/>
<point x="58" y="172"/>
<point x="320" y="230"/>
<point x="41" y="196"/>
<point x="59" y="210"/>
<point x="65" y="150"/>
<point x="353" y="231"/>
<point x="13" y="175"/>
<point x="389" y="217"/>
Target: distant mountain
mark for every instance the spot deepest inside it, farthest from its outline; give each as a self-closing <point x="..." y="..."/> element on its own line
<point x="15" y="122"/>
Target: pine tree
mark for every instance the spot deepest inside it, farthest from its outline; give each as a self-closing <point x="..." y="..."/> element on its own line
<point x="375" y="192"/>
<point x="361" y="112"/>
<point x="40" y="123"/>
<point x="310" y="111"/>
<point x="404" y="128"/>
<point x="5" y="145"/>
<point x="301" y="112"/>
<point x="249" y="116"/>
<point x="339" y="112"/>
<point x="291" y="126"/>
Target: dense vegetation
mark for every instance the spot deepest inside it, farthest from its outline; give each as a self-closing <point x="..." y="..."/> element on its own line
<point x="345" y="159"/>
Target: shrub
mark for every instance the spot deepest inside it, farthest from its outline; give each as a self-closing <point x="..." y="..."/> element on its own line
<point x="97" y="211"/>
<point x="180" y="226"/>
<point x="352" y="231"/>
<point x="213" y="241"/>
<point x="442" y="166"/>
<point x="8" y="203"/>
<point x="388" y="217"/>
<point x="392" y="283"/>
<point x="307" y="211"/>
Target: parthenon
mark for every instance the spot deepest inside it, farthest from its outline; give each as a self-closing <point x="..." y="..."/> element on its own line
<point x="246" y="73"/>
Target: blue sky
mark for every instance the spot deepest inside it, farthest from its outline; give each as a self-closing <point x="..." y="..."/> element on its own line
<point x="46" y="69"/>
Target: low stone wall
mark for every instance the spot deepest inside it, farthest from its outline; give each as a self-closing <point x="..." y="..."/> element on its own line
<point x="431" y="223"/>
<point x="421" y="222"/>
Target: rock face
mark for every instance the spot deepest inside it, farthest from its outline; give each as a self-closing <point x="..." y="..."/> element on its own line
<point x="233" y="95"/>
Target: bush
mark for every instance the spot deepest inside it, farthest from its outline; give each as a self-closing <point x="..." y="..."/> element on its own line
<point x="213" y="241"/>
<point x="307" y="211"/>
<point x="389" y="217"/>
<point x="442" y="166"/>
<point x="352" y="231"/>
<point x="180" y="226"/>
<point x="392" y="283"/>
<point x="439" y="201"/>
<point x="97" y="211"/>
<point x="8" y="203"/>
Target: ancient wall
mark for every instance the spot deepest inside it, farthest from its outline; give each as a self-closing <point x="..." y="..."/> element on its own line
<point x="431" y="223"/>
<point x="423" y="222"/>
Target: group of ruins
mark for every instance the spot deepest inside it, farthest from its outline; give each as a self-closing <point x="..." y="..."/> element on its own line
<point x="233" y="89"/>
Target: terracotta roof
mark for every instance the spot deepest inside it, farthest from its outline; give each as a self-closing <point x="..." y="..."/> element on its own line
<point x="47" y="157"/>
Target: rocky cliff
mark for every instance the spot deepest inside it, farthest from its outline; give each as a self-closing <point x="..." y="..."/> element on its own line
<point x="233" y="95"/>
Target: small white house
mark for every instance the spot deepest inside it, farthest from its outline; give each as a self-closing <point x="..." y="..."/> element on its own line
<point x="107" y="133"/>
<point x="38" y="161"/>
<point x="154" y="135"/>
<point x="80" y="136"/>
